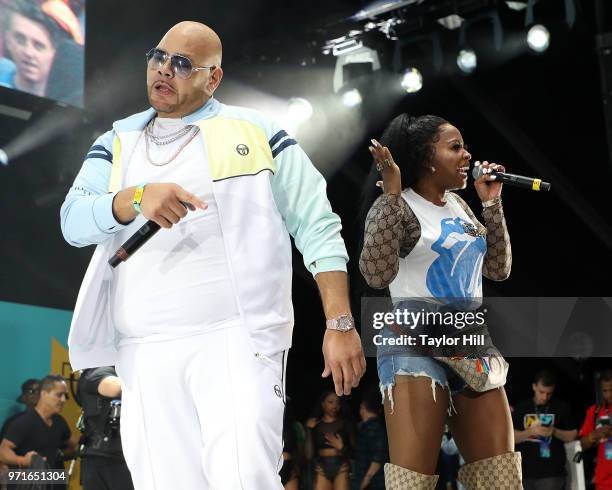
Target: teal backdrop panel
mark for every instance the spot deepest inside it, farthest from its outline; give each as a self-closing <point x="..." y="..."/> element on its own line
<point x="25" y="347"/>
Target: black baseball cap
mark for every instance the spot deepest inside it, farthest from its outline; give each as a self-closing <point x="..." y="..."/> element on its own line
<point x="27" y="386"/>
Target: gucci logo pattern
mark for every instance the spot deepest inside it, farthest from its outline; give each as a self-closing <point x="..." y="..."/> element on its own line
<point x="477" y="380"/>
<point x="501" y="472"/>
<point x="498" y="260"/>
<point x="391" y="231"/>
<point x="398" y="478"/>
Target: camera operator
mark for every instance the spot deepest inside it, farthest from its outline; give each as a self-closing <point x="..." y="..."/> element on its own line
<point x="103" y="466"/>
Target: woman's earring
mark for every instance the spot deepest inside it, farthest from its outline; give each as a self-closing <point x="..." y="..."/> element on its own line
<point x="433" y="169"/>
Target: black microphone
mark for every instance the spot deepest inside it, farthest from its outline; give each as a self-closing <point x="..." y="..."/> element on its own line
<point x="138" y="239"/>
<point x="132" y="244"/>
<point x="511" y="179"/>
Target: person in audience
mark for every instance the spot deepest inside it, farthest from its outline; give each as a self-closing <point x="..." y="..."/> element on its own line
<point x="329" y="440"/>
<point x="542" y="426"/>
<point x="29" y="396"/>
<point x="596" y="432"/>
<point x="103" y="465"/>
<point x="371" y="451"/>
<point x="42" y="431"/>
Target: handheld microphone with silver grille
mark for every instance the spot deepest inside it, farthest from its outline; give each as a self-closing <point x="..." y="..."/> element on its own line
<point x="515" y="180"/>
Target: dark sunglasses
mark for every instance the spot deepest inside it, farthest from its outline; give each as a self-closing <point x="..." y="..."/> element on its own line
<point x="181" y="65"/>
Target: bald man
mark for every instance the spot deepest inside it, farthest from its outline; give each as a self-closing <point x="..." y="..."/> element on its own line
<point x="199" y="321"/>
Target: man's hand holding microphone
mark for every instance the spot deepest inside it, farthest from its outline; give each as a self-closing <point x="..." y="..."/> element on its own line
<point x="163" y="204"/>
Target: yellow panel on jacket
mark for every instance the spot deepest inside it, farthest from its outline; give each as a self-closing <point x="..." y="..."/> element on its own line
<point x="235" y="148"/>
<point x="115" y="179"/>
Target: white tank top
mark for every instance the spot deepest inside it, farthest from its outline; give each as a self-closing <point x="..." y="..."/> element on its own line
<point x="446" y="262"/>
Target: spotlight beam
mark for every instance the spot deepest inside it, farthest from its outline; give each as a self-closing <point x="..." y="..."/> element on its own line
<point x="59" y="120"/>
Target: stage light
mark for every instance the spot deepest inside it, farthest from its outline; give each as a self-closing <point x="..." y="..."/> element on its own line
<point x="451" y="22"/>
<point x="352" y="98"/>
<point x="412" y="81"/>
<point x="3" y="157"/>
<point x="351" y="65"/>
<point x="516" y="5"/>
<point x="348" y="46"/>
<point x="299" y="110"/>
<point x="467" y="60"/>
<point x="538" y="38"/>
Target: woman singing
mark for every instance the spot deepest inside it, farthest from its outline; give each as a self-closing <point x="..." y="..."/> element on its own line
<point x="422" y="241"/>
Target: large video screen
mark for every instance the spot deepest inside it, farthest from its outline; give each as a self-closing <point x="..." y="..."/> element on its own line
<point x="42" y="48"/>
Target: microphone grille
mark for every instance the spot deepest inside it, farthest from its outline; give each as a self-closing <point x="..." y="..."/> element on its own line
<point x="477" y="172"/>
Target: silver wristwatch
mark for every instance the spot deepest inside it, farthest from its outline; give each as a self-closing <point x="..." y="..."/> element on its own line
<point x="343" y="323"/>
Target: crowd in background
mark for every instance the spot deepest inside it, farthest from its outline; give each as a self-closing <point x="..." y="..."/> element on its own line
<point x="335" y="450"/>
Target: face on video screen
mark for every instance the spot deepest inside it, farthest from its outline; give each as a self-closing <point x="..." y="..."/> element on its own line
<point x="31" y="49"/>
<point x="42" y="48"/>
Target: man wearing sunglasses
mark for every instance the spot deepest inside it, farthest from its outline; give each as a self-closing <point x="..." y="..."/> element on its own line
<point x="29" y="396"/>
<point x="198" y="322"/>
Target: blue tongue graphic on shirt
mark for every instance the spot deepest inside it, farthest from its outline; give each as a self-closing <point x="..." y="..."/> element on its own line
<point x="456" y="273"/>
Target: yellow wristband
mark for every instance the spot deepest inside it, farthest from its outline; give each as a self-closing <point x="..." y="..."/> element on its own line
<point x="138" y="197"/>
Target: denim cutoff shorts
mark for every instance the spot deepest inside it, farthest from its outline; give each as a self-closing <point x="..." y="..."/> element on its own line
<point x="395" y="361"/>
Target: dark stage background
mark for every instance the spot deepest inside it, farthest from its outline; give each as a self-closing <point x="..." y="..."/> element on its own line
<point x="538" y="115"/>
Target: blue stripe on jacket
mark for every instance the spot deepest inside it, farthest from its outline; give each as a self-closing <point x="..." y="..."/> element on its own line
<point x="103" y="156"/>
<point x="282" y="146"/>
<point x="277" y="137"/>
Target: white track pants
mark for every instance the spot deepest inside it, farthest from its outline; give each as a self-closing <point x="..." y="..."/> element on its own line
<point x="202" y="413"/>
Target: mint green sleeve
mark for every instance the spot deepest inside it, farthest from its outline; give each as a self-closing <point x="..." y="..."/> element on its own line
<point x="86" y="216"/>
<point x="300" y="192"/>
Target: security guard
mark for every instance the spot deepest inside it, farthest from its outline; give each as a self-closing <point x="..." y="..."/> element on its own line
<point x="103" y="466"/>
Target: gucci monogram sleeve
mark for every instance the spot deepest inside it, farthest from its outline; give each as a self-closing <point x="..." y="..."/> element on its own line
<point x="498" y="260"/>
<point x="391" y="231"/>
